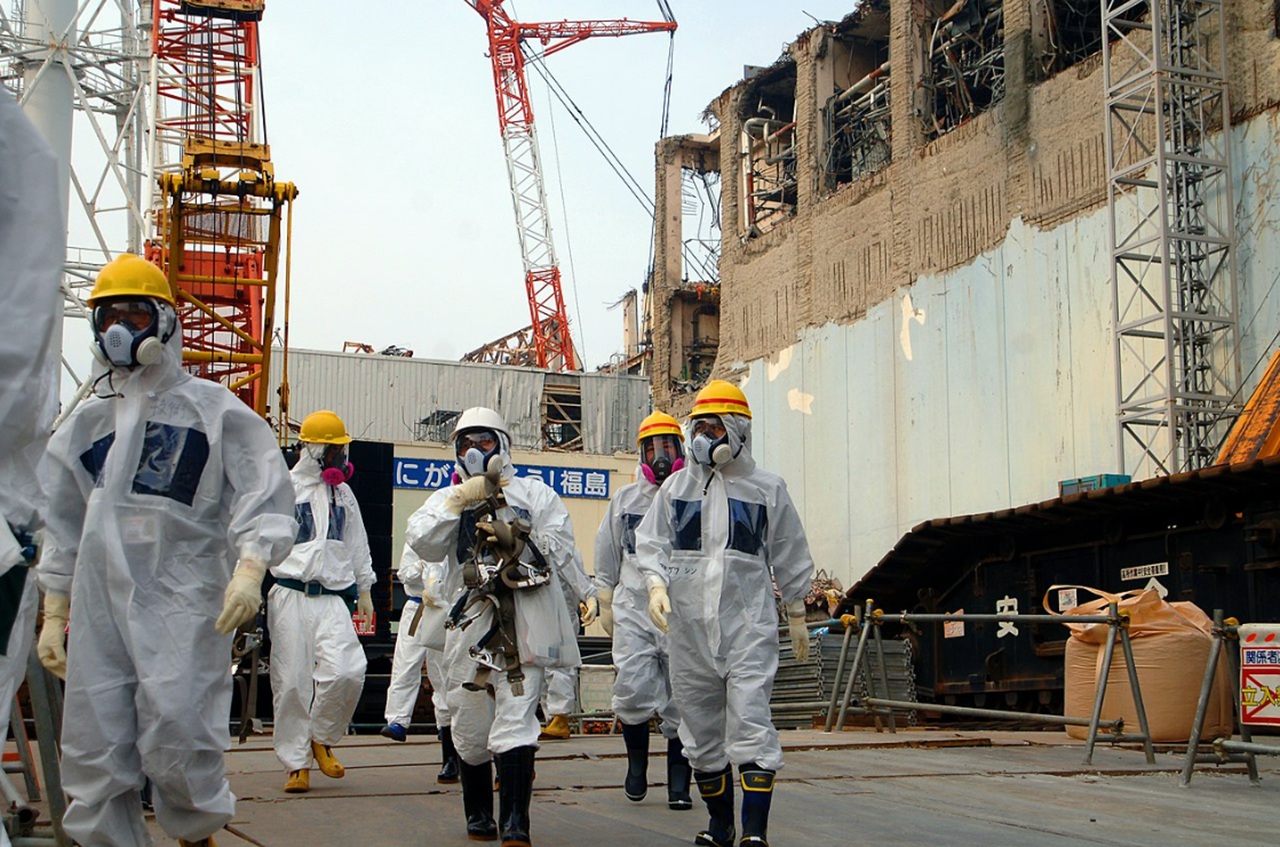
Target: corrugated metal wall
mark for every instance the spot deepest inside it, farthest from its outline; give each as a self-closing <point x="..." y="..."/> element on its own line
<point x="381" y="397"/>
<point x="982" y="388"/>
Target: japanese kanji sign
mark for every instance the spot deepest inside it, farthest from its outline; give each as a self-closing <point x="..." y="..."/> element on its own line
<point x="431" y="474"/>
<point x="1260" y="674"/>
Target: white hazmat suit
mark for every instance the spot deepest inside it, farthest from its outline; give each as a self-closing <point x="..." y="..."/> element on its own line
<point x="643" y="685"/>
<point x="156" y="484"/>
<point x="481" y="728"/>
<point x="713" y="536"/>
<point x="317" y="663"/>
<point x="32" y="249"/>
<point x="411" y="651"/>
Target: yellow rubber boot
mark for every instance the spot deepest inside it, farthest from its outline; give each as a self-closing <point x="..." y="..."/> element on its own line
<point x="299" y="782"/>
<point x="557" y="727"/>
<point x="329" y="765"/>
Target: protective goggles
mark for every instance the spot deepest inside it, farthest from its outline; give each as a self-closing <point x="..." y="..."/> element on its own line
<point x="136" y="315"/>
<point x="710" y="426"/>
<point x="483" y="440"/>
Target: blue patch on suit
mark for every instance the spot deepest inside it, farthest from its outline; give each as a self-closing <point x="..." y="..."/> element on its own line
<point x="686" y="519"/>
<point x="95" y="457"/>
<point x="337" y="522"/>
<point x="172" y="461"/>
<point x="748" y="527"/>
<point x="306" y="522"/>
<point x="629" y="524"/>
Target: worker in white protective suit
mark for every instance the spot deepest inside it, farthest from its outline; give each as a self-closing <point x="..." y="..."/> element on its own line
<point x="706" y="548"/>
<point x="642" y="688"/>
<point x="317" y="662"/>
<point x="423" y="613"/>
<point x="502" y="724"/>
<point x="159" y="483"/>
<point x="32" y="249"/>
<point x="560" y="685"/>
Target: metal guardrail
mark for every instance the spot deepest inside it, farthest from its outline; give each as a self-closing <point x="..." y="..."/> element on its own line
<point x="1224" y="749"/>
<point x="869" y="619"/>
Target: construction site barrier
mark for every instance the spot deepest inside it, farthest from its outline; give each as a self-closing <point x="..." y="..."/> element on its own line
<point x="869" y="619"/>
<point x="1225" y="750"/>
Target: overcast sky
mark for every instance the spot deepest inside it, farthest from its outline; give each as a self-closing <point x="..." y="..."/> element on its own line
<point x="383" y="114"/>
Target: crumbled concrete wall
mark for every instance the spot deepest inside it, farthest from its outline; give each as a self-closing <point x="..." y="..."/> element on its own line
<point x="1038" y="154"/>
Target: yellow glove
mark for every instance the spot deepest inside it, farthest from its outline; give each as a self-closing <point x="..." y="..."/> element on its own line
<point x="51" y="646"/>
<point x="587" y="611"/>
<point x="659" y="605"/>
<point x="604" y="597"/>
<point x="243" y="596"/>
<point x="364" y="608"/>
<point x="799" y="632"/>
<point x="469" y="493"/>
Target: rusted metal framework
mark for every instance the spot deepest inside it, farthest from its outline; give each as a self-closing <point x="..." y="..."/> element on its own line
<point x="1172" y="232"/>
<point x="859" y="130"/>
<point x="516" y="349"/>
<point x="965" y="72"/>
<point x="552" y="342"/>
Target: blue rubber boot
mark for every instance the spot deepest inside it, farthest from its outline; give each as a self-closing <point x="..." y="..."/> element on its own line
<point x="394" y="731"/>
<point x="716" y="789"/>
<point x="636" y="737"/>
<point x="757" y="795"/>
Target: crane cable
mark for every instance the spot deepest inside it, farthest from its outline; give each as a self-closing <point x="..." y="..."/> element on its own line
<point x="536" y="61"/>
<point x="568" y="243"/>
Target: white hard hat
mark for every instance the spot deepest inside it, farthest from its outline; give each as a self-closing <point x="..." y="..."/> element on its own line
<point x="478" y="417"/>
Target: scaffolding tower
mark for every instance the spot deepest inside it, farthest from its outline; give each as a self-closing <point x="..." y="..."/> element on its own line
<point x="1172" y="233"/>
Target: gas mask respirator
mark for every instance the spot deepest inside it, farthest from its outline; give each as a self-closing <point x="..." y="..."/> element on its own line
<point x="711" y="452"/>
<point x="132" y="333"/>
<point x="663" y="456"/>
<point x="474" y="449"/>
<point x="334" y="467"/>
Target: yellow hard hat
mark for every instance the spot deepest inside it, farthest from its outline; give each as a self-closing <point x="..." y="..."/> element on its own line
<point x="128" y="275"/>
<point x="324" y="427"/>
<point x="658" y="423"/>
<point x="720" y="398"/>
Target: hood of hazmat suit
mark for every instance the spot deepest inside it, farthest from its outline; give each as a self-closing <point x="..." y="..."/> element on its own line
<point x="157" y="483"/>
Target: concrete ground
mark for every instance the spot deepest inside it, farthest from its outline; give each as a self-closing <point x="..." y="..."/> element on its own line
<point x="918" y="787"/>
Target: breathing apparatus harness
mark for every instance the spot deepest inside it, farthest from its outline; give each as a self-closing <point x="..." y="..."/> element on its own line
<point x="493" y="572"/>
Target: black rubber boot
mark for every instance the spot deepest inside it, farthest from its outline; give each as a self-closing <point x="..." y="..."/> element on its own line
<point x="678" y="775"/>
<point x="757" y="794"/>
<point x="449" y="767"/>
<point x="636" y="737"/>
<point x="716" y="789"/>
<point x="515" y="771"/>
<point x="477" y="801"/>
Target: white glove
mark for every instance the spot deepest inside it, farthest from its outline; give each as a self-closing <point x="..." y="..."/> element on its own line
<point x="659" y="606"/>
<point x="604" y="597"/>
<point x="468" y="493"/>
<point x="243" y="596"/>
<point x="587" y="611"/>
<point x="799" y="632"/>
<point x="364" y="609"/>
<point x="430" y="592"/>
<point x="51" y="647"/>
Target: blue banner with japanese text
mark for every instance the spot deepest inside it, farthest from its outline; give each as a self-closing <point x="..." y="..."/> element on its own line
<point x="431" y="474"/>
